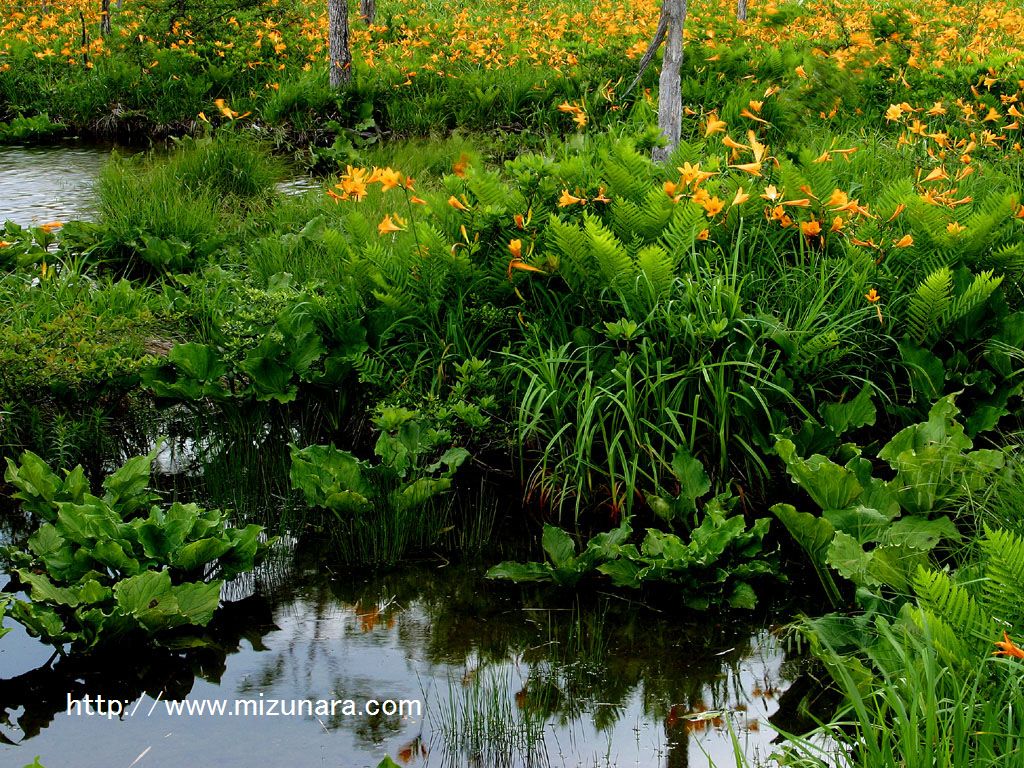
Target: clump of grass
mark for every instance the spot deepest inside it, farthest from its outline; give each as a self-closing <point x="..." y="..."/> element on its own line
<point x="227" y="165"/>
<point x="485" y="722"/>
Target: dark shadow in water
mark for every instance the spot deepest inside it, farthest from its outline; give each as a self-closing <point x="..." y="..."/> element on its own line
<point x="125" y="674"/>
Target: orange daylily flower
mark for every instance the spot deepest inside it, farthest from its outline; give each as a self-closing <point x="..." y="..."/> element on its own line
<point x="811" y="228"/>
<point x="938" y="174"/>
<point x="955" y="228"/>
<point x="50" y="226"/>
<point x="566" y="199"/>
<point x="389" y="224"/>
<point x="714" y="125"/>
<point x="731" y="144"/>
<point x="713" y="207"/>
<point x="457" y="204"/>
<point x="516" y="248"/>
<point x="739" y="198"/>
<point x="1008" y="648"/>
<point x="838" y="199"/>
<point x="523" y="267"/>
<point x="872" y="296"/>
<point x="754" y="169"/>
<point x="904" y="242"/>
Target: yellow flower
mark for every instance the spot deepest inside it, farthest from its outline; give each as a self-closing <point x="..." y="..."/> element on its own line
<point x="1007" y="647"/>
<point x="810" y="228"/>
<point x="838" y="199"/>
<point x="50" y="226"/>
<point x="955" y="228"/>
<point x="566" y="199"/>
<point x="714" y="125"/>
<point x="740" y="198"/>
<point x="713" y="206"/>
<point x="389" y="179"/>
<point x="904" y="242"/>
<point x="457" y="204"/>
<point x="872" y="296"/>
<point x="388" y="224"/>
<point x="516" y="248"/>
<point x="704" y="234"/>
<point x="754" y="169"/>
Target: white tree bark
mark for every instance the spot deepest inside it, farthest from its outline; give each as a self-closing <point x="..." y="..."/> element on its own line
<point x="741" y="10"/>
<point x="105" y="18"/>
<point x="337" y="37"/>
<point x="368" y="10"/>
<point x="670" y="96"/>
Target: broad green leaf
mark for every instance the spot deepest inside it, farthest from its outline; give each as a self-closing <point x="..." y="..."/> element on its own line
<point x="813" y="533"/>
<point x="851" y="561"/>
<point x="858" y="412"/>
<point x="127" y="489"/>
<point x="622" y="572"/>
<point x="693" y="480"/>
<point x="829" y="484"/>
<point x="520" y="571"/>
<point x="198" y="601"/>
<point x="862" y="523"/>
<point x="149" y="599"/>
<point x="743" y="596"/>
<point x="196" y="554"/>
<point x="42" y="590"/>
<point x="558" y="545"/>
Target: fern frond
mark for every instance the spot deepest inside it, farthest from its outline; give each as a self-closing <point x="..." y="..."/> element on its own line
<point x="930" y="303"/>
<point x="1004" y="571"/>
<point x="942" y="600"/>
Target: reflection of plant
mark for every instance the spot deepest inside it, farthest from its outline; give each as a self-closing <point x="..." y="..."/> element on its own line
<point x="99" y="568"/>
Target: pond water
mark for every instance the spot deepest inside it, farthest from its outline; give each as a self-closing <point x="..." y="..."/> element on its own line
<point x="42" y="184"/>
<point x="493" y="674"/>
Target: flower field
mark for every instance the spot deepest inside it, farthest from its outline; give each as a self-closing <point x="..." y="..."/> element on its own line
<point x="498" y="328"/>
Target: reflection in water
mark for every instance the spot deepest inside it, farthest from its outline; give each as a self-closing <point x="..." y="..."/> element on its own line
<point x="505" y="677"/>
<point x="508" y="676"/>
<point x="41" y="184"/>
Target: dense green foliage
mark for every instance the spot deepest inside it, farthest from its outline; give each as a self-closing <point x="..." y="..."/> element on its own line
<point x="102" y="568"/>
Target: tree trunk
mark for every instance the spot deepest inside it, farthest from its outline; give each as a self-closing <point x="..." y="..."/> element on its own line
<point x="368" y="10"/>
<point x="337" y="35"/>
<point x="105" y="18"/>
<point x="741" y="10"/>
<point x="670" y="96"/>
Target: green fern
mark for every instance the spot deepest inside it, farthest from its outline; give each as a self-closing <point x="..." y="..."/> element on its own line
<point x="944" y="602"/>
<point x="930" y="303"/>
<point x="1004" y="572"/>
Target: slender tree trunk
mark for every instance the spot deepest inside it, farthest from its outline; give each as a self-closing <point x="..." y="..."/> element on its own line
<point x="85" y="40"/>
<point x="337" y="35"/>
<point x="670" y="95"/>
<point x="741" y="10"/>
<point x="368" y="10"/>
<point x="105" y="18"/>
